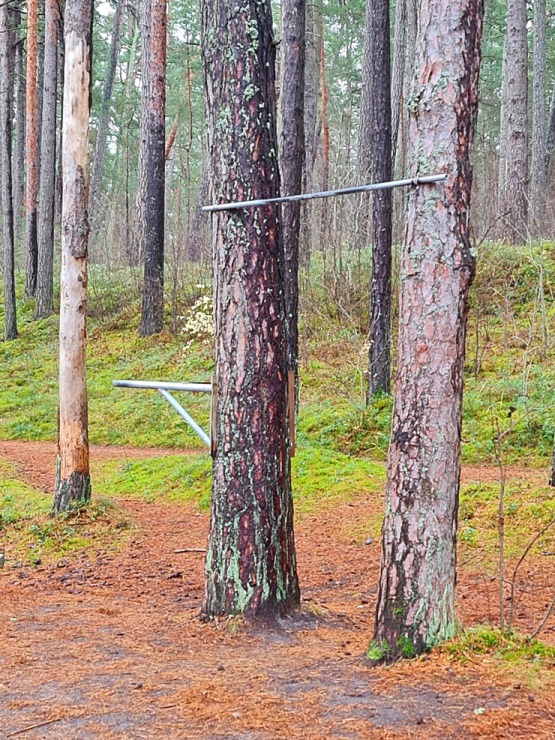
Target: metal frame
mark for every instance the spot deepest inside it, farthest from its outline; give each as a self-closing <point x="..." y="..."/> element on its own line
<point x="164" y="389"/>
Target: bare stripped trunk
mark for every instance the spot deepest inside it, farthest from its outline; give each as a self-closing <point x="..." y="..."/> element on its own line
<point x="31" y="150"/>
<point x="250" y="563"/>
<point x="513" y="181"/>
<point x="153" y="100"/>
<point x="47" y="180"/>
<point x="380" y="286"/>
<point x="291" y="158"/>
<point x="10" y="324"/>
<point x="104" y="119"/>
<point x="73" y="482"/>
<point x="538" y="171"/>
<point x="416" y="592"/>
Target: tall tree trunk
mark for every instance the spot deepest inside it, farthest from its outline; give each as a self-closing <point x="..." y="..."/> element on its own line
<point x="73" y="483"/>
<point x="364" y="162"/>
<point x="415" y="607"/>
<point x="18" y="169"/>
<point x="550" y="138"/>
<point x="10" y="324"/>
<point x="513" y="181"/>
<point x="250" y="563"/>
<point x="47" y="179"/>
<point x="380" y="287"/>
<point x="31" y="150"/>
<point x="324" y="224"/>
<point x="59" y="176"/>
<point x="153" y="103"/>
<point x="291" y="159"/>
<point x="538" y="172"/>
<point x="104" y="118"/>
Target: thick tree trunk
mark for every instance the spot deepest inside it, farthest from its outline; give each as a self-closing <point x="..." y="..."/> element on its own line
<point x="73" y="483"/>
<point x="250" y="563"/>
<point x="153" y="102"/>
<point x="10" y="324"/>
<point x="31" y="150"/>
<point x="415" y="607"/>
<point x="291" y="158"/>
<point x="104" y="118"/>
<point x="513" y="181"/>
<point x="380" y="286"/>
<point x="538" y="172"/>
<point x="47" y="179"/>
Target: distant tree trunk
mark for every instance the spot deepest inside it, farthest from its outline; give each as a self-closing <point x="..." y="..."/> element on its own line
<point x="324" y="225"/>
<point x="18" y="169"/>
<point x="550" y="138"/>
<point x="153" y="104"/>
<point x="415" y="607"/>
<point x="59" y="177"/>
<point x="47" y="179"/>
<point x="538" y="172"/>
<point x="380" y="286"/>
<point x="364" y="162"/>
<point x="199" y="220"/>
<point x="291" y="158"/>
<point x="397" y="74"/>
<point x="513" y="180"/>
<point x="250" y="563"/>
<point x="104" y="118"/>
<point x="10" y="324"/>
<point x="31" y="150"/>
<point x="73" y="482"/>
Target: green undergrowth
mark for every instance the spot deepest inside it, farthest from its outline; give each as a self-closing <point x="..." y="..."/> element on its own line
<point x="31" y="534"/>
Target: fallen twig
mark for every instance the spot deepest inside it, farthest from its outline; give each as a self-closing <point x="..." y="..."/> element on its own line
<point x="189" y="549"/>
<point x="33" y="727"/>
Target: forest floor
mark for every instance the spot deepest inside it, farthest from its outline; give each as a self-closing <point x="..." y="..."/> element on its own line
<point x="108" y="644"/>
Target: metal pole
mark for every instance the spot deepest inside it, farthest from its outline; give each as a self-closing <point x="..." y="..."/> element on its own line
<point x="425" y="180"/>
<point x="184" y="415"/>
<point x="156" y="385"/>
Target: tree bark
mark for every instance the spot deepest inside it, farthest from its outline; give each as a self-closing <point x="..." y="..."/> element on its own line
<point x="18" y="169"/>
<point x="31" y="150"/>
<point x="415" y="607"/>
<point x="380" y="287"/>
<point x="10" y="323"/>
<point x="291" y="159"/>
<point x="73" y="483"/>
<point x="250" y="564"/>
<point x="538" y="171"/>
<point x="153" y="103"/>
<point x="513" y="181"/>
<point x="104" y="118"/>
<point x="47" y="178"/>
<point x="397" y="74"/>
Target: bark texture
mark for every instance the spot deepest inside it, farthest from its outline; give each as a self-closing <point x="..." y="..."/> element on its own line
<point x="45" y="261"/>
<point x="31" y="150"/>
<point x="291" y="158"/>
<point x="538" y="171"/>
<point x="250" y="564"/>
<point x="153" y="134"/>
<point x="10" y="324"/>
<point x="513" y="178"/>
<point x="415" y="607"/>
<point x="380" y="286"/>
<point x="18" y="169"/>
<point x="73" y="478"/>
<point x="397" y="75"/>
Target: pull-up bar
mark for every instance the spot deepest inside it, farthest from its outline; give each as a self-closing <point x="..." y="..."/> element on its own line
<point x="415" y="181"/>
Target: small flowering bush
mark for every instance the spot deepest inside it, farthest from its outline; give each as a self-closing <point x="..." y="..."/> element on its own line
<point x="198" y="324"/>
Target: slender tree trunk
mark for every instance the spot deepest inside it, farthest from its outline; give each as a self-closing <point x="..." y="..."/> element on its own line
<point x="291" y="158"/>
<point x="153" y="103"/>
<point x="250" y="563"/>
<point x="104" y="118"/>
<point x="18" y="170"/>
<point x="10" y="324"/>
<point x="380" y="287"/>
<point x="31" y="150"/>
<point x="59" y="175"/>
<point x="73" y="483"/>
<point x="47" y="179"/>
<point x="199" y="221"/>
<point x="397" y="74"/>
<point x="550" y="138"/>
<point x="415" y="607"/>
<point x="324" y="224"/>
<point x="538" y="172"/>
<point x="514" y="180"/>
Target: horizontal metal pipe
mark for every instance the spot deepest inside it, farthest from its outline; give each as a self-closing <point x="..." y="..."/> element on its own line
<point x="424" y="180"/>
<point x="187" y="417"/>
<point x="156" y="385"/>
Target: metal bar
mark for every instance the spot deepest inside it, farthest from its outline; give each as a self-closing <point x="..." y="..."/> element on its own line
<point x="425" y="180"/>
<point x="156" y="385"/>
<point x="184" y="415"/>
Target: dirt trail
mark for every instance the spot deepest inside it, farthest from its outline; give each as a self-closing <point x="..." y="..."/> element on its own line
<point x="109" y="645"/>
